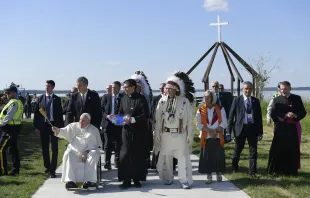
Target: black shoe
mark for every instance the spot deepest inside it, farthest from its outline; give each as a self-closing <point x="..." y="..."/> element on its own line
<point x="47" y="171"/>
<point x="235" y="169"/>
<point x="125" y="185"/>
<point x="137" y="184"/>
<point x="13" y="173"/>
<point x="52" y="175"/>
<point x="253" y="175"/>
<point x="71" y="184"/>
<point x="107" y="166"/>
<point x="88" y="184"/>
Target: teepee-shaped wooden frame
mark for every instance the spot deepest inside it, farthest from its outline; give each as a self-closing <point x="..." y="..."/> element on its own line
<point x="225" y="49"/>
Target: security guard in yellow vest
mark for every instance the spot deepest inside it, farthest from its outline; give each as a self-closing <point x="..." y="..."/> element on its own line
<point x="10" y="121"/>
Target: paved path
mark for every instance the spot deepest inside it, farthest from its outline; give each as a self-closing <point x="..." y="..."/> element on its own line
<point x="153" y="187"/>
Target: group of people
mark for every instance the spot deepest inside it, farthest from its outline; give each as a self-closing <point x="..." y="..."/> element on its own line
<point x="162" y="124"/>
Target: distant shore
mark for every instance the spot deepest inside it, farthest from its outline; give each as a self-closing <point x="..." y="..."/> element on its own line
<point x="32" y="91"/>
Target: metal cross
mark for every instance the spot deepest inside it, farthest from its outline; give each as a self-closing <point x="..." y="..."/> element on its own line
<point x="218" y="24"/>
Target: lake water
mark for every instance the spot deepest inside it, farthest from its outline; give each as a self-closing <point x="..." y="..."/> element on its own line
<point x="267" y="94"/>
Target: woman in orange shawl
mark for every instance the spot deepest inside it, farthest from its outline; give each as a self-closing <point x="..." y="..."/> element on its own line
<point x="211" y="121"/>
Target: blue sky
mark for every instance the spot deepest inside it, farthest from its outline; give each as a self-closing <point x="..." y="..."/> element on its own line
<point x="107" y="40"/>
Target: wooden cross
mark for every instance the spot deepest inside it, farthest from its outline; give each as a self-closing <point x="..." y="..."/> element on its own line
<point x="218" y="24"/>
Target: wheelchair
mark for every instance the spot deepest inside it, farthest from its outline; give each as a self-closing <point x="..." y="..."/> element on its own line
<point x="99" y="177"/>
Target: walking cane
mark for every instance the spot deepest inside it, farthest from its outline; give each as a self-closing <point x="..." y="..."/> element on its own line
<point x="41" y="110"/>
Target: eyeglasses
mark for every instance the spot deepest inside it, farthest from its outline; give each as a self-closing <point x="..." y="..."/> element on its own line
<point x="221" y="88"/>
<point x="214" y="86"/>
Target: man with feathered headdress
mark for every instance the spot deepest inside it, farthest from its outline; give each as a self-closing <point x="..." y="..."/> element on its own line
<point x="174" y="129"/>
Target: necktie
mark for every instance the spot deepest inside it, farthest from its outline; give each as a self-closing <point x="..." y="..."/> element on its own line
<point x="115" y="105"/>
<point x="83" y="99"/>
<point x="48" y="107"/>
<point x="248" y="106"/>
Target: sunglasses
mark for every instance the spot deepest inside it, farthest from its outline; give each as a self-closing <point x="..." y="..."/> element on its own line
<point x="214" y="86"/>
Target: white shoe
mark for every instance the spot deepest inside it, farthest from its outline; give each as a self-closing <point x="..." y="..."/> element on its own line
<point x="185" y="185"/>
<point x="168" y="182"/>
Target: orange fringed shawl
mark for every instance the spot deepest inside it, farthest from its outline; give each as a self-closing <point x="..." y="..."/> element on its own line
<point x="204" y="120"/>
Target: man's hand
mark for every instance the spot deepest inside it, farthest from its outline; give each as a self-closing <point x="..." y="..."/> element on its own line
<point x="37" y="131"/>
<point x="127" y="120"/>
<point x="56" y="131"/>
<point x="84" y="157"/>
<point x="109" y="116"/>
<point x="291" y="115"/>
<point x="280" y="119"/>
<point x="268" y="123"/>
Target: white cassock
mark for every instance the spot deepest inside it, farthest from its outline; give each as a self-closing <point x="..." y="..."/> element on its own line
<point x="80" y="141"/>
<point x="175" y="145"/>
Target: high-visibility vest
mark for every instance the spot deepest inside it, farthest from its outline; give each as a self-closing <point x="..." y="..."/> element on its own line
<point x="17" y="118"/>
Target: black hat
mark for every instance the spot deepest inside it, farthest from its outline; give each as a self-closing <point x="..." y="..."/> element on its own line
<point x="11" y="89"/>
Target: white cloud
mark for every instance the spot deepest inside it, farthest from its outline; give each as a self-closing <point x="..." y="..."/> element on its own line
<point x="215" y="5"/>
<point x="112" y="63"/>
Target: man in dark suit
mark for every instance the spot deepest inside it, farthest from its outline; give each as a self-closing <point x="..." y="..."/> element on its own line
<point x="112" y="133"/>
<point x="245" y="123"/>
<point x="52" y="106"/>
<point x="84" y="101"/>
<point x="224" y="100"/>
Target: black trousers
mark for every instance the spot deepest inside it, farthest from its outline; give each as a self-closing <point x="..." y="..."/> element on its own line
<point x="11" y="134"/>
<point x="247" y="133"/>
<point x="47" y="136"/>
<point x="28" y="110"/>
<point x="112" y="141"/>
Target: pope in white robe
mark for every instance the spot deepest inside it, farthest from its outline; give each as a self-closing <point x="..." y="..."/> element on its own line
<point x="174" y="131"/>
<point x="82" y="154"/>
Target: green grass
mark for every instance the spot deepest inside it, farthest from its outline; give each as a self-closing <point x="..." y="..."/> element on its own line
<point x="266" y="186"/>
<point x="31" y="176"/>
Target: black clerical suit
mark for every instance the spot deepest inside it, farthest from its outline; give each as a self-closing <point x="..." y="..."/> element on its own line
<point x="77" y="107"/>
<point x="112" y="133"/>
<point x="245" y="123"/>
<point x="224" y="100"/>
<point x="51" y="105"/>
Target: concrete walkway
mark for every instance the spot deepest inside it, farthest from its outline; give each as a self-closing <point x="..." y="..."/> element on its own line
<point x="153" y="187"/>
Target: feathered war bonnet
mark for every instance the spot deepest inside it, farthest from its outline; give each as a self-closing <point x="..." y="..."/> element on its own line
<point x="182" y="84"/>
<point x="142" y="82"/>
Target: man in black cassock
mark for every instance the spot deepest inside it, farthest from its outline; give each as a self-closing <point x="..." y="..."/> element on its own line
<point x="287" y="110"/>
<point x="134" y="149"/>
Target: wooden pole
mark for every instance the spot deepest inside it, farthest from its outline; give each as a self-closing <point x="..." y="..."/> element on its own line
<point x="233" y="64"/>
<point x="232" y="84"/>
<point x="207" y="73"/>
<point x="238" y="88"/>
<point x="203" y="56"/>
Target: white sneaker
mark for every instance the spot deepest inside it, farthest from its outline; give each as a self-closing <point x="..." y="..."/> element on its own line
<point x="185" y="185"/>
<point x="168" y="182"/>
